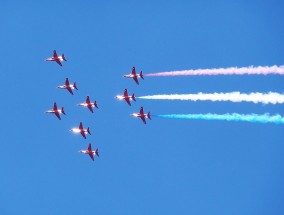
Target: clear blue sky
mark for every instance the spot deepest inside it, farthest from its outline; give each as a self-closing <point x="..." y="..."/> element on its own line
<point x="166" y="167"/>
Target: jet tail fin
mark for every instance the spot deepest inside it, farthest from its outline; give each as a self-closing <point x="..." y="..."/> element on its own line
<point x="133" y="97"/>
<point x="88" y="130"/>
<point x="96" y="105"/>
<point x="75" y="86"/>
<point x="149" y="116"/>
<point x="63" y="57"/>
<point x="97" y="152"/>
<point x="141" y="75"/>
<point x="62" y="110"/>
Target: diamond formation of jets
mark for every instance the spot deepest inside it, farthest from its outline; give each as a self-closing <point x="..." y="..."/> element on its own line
<point x="68" y="86"/>
<point x="90" y="152"/>
<point x="142" y="115"/>
<point x="56" y="58"/>
<point x="56" y="111"/>
<point x="81" y="130"/>
<point x="134" y="75"/>
<point x="126" y="97"/>
<point x="89" y="104"/>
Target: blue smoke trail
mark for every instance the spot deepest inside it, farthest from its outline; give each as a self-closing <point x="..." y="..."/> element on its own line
<point x="266" y="118"/>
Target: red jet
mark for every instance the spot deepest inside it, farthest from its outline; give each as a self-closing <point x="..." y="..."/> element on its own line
<point x="81" y="130"/>
<point x="134" y="75"/>
<point x="56" y="111"/>
<point x="56" y="58"/>
<point x="126" y="97"/>
<point x="89" y="104"/>
<point x="68" y="86"/>
<point x="142" y="115"/>
<point x="90" y="152"/>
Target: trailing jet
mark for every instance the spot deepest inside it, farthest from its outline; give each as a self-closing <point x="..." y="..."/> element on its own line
<point x="81" y="130"/>
<point x="90" y="152"/>
<point x="68" y="86"/>
<point x="56" y="58"/>
<point x="56" y="111"/>
<point x="134" y="75"/>
<point x="126" y="97"/>
<point x="89" y="104"/>
<point x="142" y="115"/>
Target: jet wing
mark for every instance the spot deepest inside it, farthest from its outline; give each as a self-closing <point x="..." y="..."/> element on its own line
<point x="90" y="108"/>
<point x="54" y="106"/>
<point x="67" y="82"/>
<point x="70" y="90"/>
<point x="143" y="119"/>
<point x="136" y="80"/>
<point x="57" y="114"/>
<point x="141" y="111"/>
<point x="127" y="100"/>
<point x="92" y="156"/>
<point x="81" y="126"/>
<point x="58" y="61"/>
<point x="83" y="134"/>
<point x="125" y="94"/>
<point x="88" y="100"/>
<point x="133" y="72"/>
<point x="89" y="147"/>
<point x="55" y="54"/>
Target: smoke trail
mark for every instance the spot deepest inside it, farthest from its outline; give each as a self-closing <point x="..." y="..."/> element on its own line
<point x="266" y="118"/>
<point x="260" y="70"/>
<point x="268" y="98"/>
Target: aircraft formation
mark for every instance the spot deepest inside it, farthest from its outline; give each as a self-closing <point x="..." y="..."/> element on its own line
<point x="59" y="111"/>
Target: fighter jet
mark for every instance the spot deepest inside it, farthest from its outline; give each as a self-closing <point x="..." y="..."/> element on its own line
<point x="68" y="86"/>
<point x="56" y="58"/>
<point x="142" y="115"/>
<point x="88" y="104"/>
<point x="56" y="111"/>
<point x="134" y="75"/>
<point x="81" y="130"/>
<point x="90" y="152"/>
<point x="126" y="97"/>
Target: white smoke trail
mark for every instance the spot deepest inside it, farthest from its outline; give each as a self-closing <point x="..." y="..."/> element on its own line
<point x="260" y="70"/>
<point x="268" y="98"/>
<point x="266" y="118"/>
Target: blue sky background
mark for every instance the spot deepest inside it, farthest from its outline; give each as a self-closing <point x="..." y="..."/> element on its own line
<point x="168" y="166"/>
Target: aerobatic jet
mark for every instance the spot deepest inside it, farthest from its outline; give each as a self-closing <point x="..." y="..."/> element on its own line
<point x="68" y="86"/>
<point x="134" y="75"/>
<point x="56" y="58"/>
<point x="126" y="97"/>
<point x="89" y="104"/>
<point x="81" y="130"/>
<point x="90" y="152"/>
<point x="56" y="111"/>
<point x="142" y="115"/>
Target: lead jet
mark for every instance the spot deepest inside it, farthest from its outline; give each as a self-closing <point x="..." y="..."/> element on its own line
<point x="134" y="75"/>
<point x="81" y="130"/>
<point x="68" y="86"/>
<point x="56" y="111"/>
<point x="142" y="115"/>
<point x="89" y="104"/>
<point x="126" y="97"/>
<point x="56" y="58"/>
<point x="90" y="152"/>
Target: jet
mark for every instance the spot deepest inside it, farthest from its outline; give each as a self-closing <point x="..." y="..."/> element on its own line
<point x="134" y="75"/>
<point x="126" y="97"/>
<point x="56" y="58"/>
<point x="89" y="104"/>
<point x="56" y="111"/>
<point x="68" y="86"/>
<point x="90" y="152"/>
<point x="142" y="115"/>
<point x="81" y="130"/>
